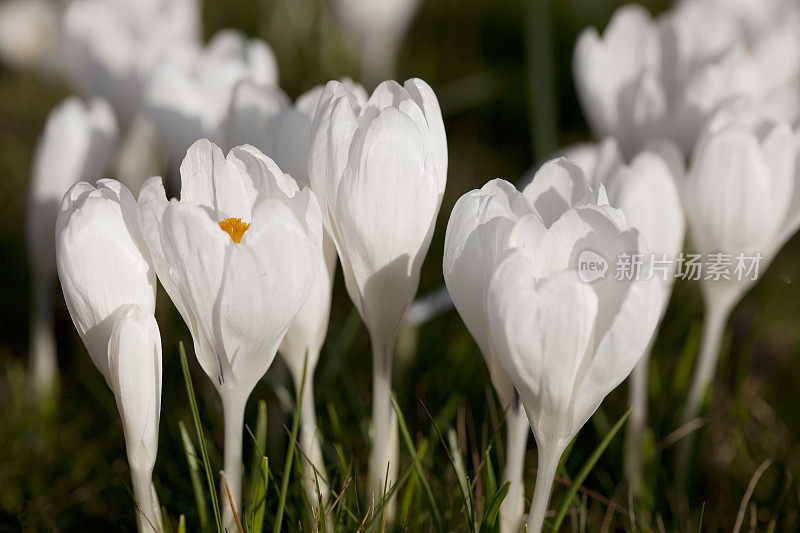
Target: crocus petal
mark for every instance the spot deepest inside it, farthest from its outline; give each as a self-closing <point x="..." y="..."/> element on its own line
<point x="543" y="335"/>
<point x="134" y="361"/>
<point x="385" y="206"/>
<point x="101" y="262"/>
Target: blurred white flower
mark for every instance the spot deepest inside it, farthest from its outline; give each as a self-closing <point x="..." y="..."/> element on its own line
<point x="566" y="343"/>
<point x="134" y="364"/>
<point x="618" y="78"/>
<point x="379" y="170"/>
<point x="103" y="262"/>
<point x="189" y="91"/>
<point x="238" y="255"/>
<point x="645" y="78"/>
<point x="377" y="29"/>
<point x="77" y="143"/>
<point x="742" y="199"/>
<point x="140" y="155"/>
<point x="29" y="34"/>
<point x="111" y="45"/>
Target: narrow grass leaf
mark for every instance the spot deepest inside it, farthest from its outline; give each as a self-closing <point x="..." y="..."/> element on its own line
<point x="200" y="437"/>
<point x="181" y="524"/>
<point x="194" y="473"/>
<point x="587" y="467"/>
<point x="259" y="505"/>
<point x="488" y="524"/>
<point x="401" y="421"/>
<point x="259" y="445"/>
<point x="490" y="478"/>
<point x="461" y="473"/>
<point x="287" y="467"/>
<point x="165" y="520"/>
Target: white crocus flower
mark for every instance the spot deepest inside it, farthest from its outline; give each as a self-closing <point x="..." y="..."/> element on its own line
<point x="379" y="170"/>
<point x="564" y="340"/>
<point x="110" y="289"/>
<point x="618" y="78"/>
<point x="238" y="255"/>
<point x="377" y="29"/>
<point x="29" y="34"/>
<point x="111" y="45"/>
<point x="646" y="190"/>
<point x="483" y="227"/>
<point x="647" y="78"/>
<point x="134" y="365"/>
<point x="189" y="92"/>
<point x="263" y="117"/>
<point x="77" y="142"/>
<point x="103" y="262"/>
<point x="742" y="202"/>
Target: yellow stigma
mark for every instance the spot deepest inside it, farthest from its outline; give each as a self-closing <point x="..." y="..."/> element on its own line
<point x="234" y="227"/>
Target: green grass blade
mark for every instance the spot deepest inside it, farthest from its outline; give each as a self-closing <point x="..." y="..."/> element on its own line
<point x="401" y="421"/>
<point x="587" y="467"/>
<point x="401" y="481"/>
<point x="490" y="516"/>
<point x="165" y="520"/>
<point x="194" y="473"/>
<point x="461" y="474"/>
<point x="182" y="524"/>
<point x="259" y="445"/>
<point x="412" y="487"/>
<point x="490" y="479"/>
<point x="260" y="496"/>
<point x="287" y="467"/>
<point x="200" y="437"/>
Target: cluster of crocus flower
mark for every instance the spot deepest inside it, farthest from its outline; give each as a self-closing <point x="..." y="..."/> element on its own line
<point x="698" y="131"/>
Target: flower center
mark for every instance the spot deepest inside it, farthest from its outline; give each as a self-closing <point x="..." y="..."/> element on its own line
<point x="234" y="227"/>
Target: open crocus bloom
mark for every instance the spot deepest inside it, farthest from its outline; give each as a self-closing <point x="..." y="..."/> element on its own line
<point x="483" y="227"/>
<point x="238" y="254"/>
<point x="103" y="262"/>
<point x="646" y="190"/>
<point x="566" y="341"/>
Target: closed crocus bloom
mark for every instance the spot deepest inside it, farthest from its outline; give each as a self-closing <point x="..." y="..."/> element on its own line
<point x="646" y="190"/>
<point x="77" y="142"/>
<point x="189" y="92"/>
<point x="103" y="262"/>
<point x="618" y="78"/>
<point x="742" y="201"/>
<point x="238" y="255"/>
<point x="134" y="365"/>
<point x="379" y="169"/>
<point x="566" y="343"/>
